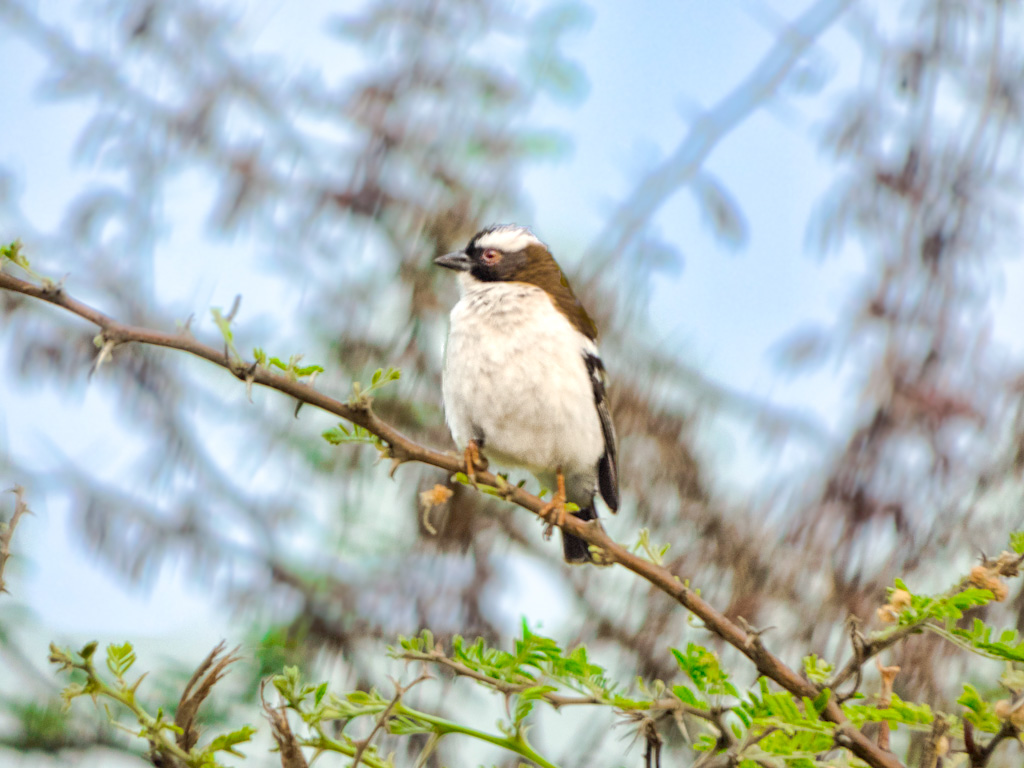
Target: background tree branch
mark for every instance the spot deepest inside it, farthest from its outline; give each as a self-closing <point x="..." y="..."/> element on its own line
<point x="7" y="531"/>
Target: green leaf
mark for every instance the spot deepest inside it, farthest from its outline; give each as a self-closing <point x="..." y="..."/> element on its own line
<point x="340" y="435"/>
<point x="13" y="252"/>
<point x="319" y="695"/>
<point x="88" y="650"/>
<point x="704" y="670"/>
<point x="1017" y="542"/>
<point x="685" y="695"/>
<point x="821" y="701"/>
<point x="526" y="698"/>
<point x="817" y="670"/>
<point x="223" y="325"/>
<point x="120" y="659"/>
<point x="379" y="379"/>
<point x="228" y="741"/>
<point x="979" y="713"/>
<point x="404" y="724"/>
<point x="898" y="712"/>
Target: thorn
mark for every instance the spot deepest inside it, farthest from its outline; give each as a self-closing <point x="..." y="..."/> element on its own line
<point x="753" y="633"/>
<point x="234" y="308"/>
<point x="103" y="355"/>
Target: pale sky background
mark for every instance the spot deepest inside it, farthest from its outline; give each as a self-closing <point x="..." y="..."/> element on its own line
<point x="649" y="67"/>
<point x="670" y="61"/>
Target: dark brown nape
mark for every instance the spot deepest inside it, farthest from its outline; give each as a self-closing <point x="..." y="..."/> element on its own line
<point x="542" y="270"/>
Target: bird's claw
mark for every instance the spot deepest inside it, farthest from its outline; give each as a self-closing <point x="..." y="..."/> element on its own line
<point x="554" y="507"/>
<point x="473" y="461"/>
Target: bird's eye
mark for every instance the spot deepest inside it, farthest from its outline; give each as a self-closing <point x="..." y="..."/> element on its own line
<point x="490" y="256"/>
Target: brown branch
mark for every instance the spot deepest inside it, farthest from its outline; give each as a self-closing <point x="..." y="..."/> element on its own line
<point x="403" y="449"/>
<point x="1008" y="731"/>
<point x="7" y="531"/>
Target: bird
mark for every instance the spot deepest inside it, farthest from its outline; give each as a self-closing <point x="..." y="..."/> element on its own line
<point x="523" y="382"/>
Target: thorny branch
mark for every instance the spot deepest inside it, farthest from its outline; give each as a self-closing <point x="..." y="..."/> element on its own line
<point x="403" y="449"/>
<point x="7" y="531"/>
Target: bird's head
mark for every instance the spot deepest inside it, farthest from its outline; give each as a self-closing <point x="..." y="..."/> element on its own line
<point x="502" y="253"/>
<point x="510" y="253"/>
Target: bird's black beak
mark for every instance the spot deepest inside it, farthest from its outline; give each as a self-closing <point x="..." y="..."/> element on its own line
<point x="458" y="261"/>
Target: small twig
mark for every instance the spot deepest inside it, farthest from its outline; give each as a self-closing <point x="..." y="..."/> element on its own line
<point x="652" y="749"/>
<point x="7" y="530"/>
<point x="400" y="690"/>
<point x="753" y="633"/>
<point x="980" y="757"/>
<point x="857" y="643"/>
<point x="970" y="747"/>
<point x="235" y="305"/>
<point x="866" y="649"/>
<point x="885" y="700"/>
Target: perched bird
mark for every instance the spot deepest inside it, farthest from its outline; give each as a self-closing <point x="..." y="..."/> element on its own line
<point x="522" y="377"/>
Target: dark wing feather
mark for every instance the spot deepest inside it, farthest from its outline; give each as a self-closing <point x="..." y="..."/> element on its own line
<point x="607" y="468"/>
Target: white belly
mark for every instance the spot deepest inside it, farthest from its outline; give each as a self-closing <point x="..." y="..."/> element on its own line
<point x="515" y="375"/>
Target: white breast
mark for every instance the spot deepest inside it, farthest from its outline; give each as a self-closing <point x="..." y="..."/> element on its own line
<point x="514" y="373"/>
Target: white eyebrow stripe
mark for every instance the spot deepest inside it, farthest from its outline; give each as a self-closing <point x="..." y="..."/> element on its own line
<point x="509" y="239"/>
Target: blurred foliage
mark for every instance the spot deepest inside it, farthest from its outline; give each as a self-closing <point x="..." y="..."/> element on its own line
<point x="345" y="185"/>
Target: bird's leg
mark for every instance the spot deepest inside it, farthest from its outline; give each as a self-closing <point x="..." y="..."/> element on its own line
<point x="473" y="460"/>
<point x="556" y="507"/>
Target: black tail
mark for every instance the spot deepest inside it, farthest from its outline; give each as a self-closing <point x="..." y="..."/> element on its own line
<point x="576" y="549"/>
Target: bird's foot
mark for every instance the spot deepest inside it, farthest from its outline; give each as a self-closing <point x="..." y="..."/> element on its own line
<point x="473" y="461"/>
<point x="555" y="508"/>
